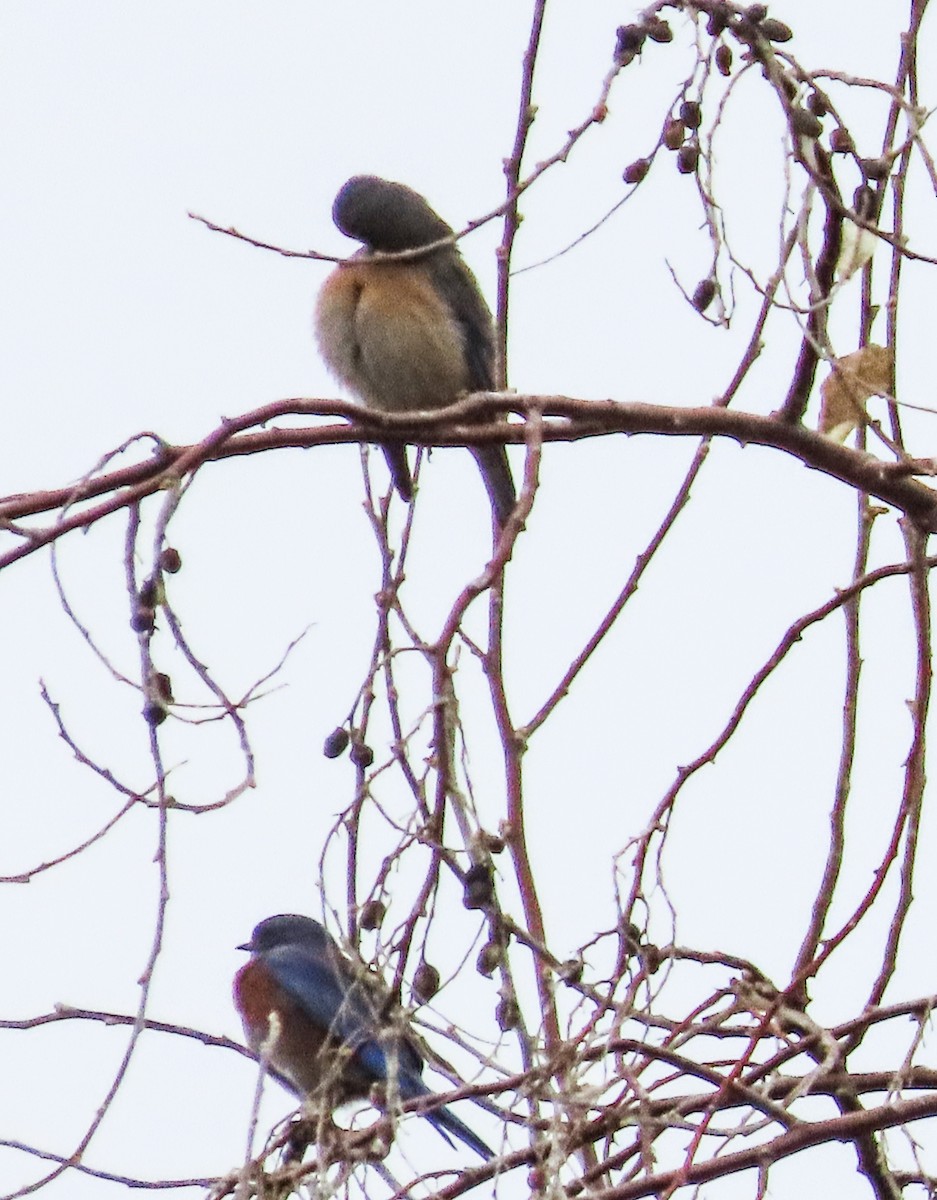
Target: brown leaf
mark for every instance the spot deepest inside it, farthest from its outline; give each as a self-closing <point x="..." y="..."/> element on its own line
<point x="864" y="373"/>
<point x="858" y="246"/>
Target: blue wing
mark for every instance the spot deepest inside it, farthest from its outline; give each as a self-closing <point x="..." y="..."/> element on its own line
<point x="456" y="285"/>
<point x="349" y="1008"/>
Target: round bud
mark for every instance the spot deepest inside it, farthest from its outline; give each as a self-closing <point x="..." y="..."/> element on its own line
<point x="372" y="914"/>
<point x="507" y="1013"/>
<point x="691" y="114"/>
<point x="154" y="713"/>
<point x="143" y="620"/>
<point x="493" y="842"/>
<point x="629" y="39"/>
<point x="336" y="743"/>
<point x="632" y="937"/>
<point x="875" y="168"/>
<point x="479" y="886"/>
<point x="361" y="754"/>
<point x="841" y="141"/>
<point x="756" y="13"/>
<point x="674" y="134"/>
<point x="659" y="31"/>
<point x="570" y="971"/>
<point x="170" y="560"/>
<point x="863" y="202"/>
<point x="635" y="172"/>
<point x="724" y="59"/>
<point x="688" y="158"/>
<point x="805" y="123"/>
<point x="718" y="19"/>
<point x="425" y="982"/>
<point x="490" y="957"/>
<point x="149" y="593"/>
<point x="775" y="31"/>
<point x="704" y="294"/>
<point x="817" y="104"/>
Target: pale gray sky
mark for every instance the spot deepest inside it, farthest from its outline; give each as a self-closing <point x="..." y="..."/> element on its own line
<point x="118" y="314"/>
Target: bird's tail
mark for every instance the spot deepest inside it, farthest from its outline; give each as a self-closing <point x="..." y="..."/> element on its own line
<point x="446" y="1122"/>
<point x="396" y="455"/>
<point x="442" y="1120"/>
<point x="493" y="462"/>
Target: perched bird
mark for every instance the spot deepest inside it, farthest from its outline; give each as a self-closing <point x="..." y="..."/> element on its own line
<point x="409" y="335"/>
<point x="322" y="1022"/>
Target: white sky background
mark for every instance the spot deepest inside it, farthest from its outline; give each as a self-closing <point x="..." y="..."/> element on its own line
<point x="119" y="314"/>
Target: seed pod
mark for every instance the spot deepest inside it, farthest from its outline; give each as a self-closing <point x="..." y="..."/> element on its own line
<point x="361" y="754"/>
<point x="143" y="619"/>
<point x="425" y="982"/>
<point x="863" y="201"/>
<point x="724" y="59"/>
<point x="490" y="957"/>
<point x="635" y="172"/>
<point x="674" y="134"/>
<point x="688" y="158"/>
<point x="841" y="141"/>
<point x="652" y="958"/>
<point x="691" y="114"/>
<point x="336" y="743"/>
<point x="805" y="123"/>
<point x="775" y="31"/>
<point x="149" y="593"/>
<point x="570" y="971"/>
<point x="508" y="1013"/>
<point x="493" y="842"/>
<point x="162" y="687"/>
<point x="704" y="294"/>
<point x="372" y="914"/>
<point x="875" y="168"/>
<point x="479" y="886"/>
<point x="170" y="560"/>
<point x="659" y="31"/>
<point x="632" y="938"/>
<point x="630" y="39"/>
<point x="817" y="104"/>
<point x="718" y="19"/>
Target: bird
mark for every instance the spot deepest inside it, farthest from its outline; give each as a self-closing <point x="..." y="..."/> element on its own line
<point x="408" y="335"/>
<point x="321" y="1021"/>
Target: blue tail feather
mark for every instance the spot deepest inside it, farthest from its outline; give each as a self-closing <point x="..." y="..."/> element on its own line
<point x="445" y="1122"/>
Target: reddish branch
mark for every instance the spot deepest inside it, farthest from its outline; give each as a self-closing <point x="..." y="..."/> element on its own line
<point x="565" y="419"/>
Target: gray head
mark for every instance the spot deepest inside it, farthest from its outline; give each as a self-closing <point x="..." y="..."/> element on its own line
<point x="386" y="216"/>
<point x="287" y="929"/>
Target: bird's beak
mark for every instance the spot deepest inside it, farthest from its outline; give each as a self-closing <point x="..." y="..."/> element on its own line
<point x="246" y="946"/>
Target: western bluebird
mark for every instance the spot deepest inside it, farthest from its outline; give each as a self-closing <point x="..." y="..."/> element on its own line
<point x="322" y="1022"/>
<point x="410" y="335"/>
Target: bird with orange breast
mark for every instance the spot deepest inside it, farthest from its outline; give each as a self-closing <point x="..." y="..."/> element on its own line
<point x="408" y="335"/>
<point x="321" y="1022"/>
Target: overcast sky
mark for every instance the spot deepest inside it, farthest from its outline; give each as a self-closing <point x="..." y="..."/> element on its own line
<point x="118" y="313"/>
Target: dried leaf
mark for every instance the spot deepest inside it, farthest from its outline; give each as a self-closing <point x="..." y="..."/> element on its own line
<point x="858" y="246"/>
<point x="864" y="373"/>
